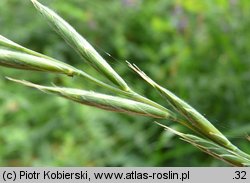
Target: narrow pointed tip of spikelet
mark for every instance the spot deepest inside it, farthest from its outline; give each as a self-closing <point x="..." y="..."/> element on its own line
<point x="34" y="1"/>
<point x="21" y="81"/>
<point x="170" y="129"/>
<point x="136" y="69"/>
<point x="12" y="79"/>
<point x="26" y="83"/>
<point x="29" y="84"/>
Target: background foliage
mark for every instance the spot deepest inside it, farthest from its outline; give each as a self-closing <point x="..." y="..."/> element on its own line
<point x="197" y="49"/>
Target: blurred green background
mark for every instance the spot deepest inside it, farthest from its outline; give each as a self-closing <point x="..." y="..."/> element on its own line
<point x="200" y="50"/>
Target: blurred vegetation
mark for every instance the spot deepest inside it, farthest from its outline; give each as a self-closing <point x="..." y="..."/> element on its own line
<point x="197" y="49"/>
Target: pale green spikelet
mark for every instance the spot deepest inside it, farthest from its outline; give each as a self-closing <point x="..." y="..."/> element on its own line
<point x="24" y="61"/>
<point x="25" y="64"/>
<point x="198" y="121"/>
<point x="107" y="102"/>
<point x="8" y="44"/>
<point x="81" y="45"/>
<point x="212" y="148"/>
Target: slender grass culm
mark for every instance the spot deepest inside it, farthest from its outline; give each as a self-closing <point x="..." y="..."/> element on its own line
<point x="205" y="137"/>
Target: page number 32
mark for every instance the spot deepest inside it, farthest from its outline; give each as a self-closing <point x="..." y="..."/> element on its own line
<point x="240" y="175"/>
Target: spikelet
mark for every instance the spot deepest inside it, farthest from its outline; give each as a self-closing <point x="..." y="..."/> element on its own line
<point x="211" y="148"/>
<point x="198" y="122"/>
<point x="103" y="101"/>
<point x="8" y="44"/>
<point x="81" y="45"/>
<point x="24" y="61"/>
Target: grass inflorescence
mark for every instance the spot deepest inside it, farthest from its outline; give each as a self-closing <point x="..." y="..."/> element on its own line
<point x="205" y="137"/>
